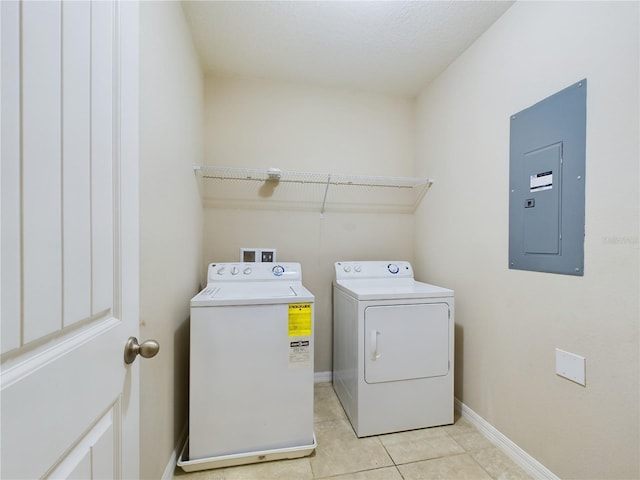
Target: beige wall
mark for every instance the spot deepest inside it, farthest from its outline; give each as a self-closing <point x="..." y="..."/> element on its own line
<point x="261" y="124"/>
<point x="509" y="322"/>
<point x="171" y="141"/>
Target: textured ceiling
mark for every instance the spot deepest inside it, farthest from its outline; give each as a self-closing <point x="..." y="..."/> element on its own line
<point x="393" y="47"/>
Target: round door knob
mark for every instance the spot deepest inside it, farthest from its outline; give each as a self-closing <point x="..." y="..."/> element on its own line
<point x="132" y="349"/>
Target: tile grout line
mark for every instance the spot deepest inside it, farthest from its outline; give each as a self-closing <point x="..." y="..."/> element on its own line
<point x="468" y="452"/>
<point x="390" y="456"/>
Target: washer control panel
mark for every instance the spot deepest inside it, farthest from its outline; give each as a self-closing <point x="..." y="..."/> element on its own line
<point x="250" y="271"/>
<point x="373" y="269"/>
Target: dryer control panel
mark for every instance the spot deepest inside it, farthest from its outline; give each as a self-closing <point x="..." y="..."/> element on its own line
<point x="373" y="269"/>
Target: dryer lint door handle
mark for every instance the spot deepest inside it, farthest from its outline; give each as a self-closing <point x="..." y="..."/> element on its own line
<point x="374" y="345"/>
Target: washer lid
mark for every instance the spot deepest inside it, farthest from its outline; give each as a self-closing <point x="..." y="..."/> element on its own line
<point x="248" y="293"/>
<point x="390" y="289"/>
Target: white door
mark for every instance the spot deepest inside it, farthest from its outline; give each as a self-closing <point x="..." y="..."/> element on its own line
<point x="69" y="243"/>
<point x="404" y="342"/>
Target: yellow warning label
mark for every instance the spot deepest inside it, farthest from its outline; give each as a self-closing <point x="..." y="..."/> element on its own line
<point x="299" y="319"/>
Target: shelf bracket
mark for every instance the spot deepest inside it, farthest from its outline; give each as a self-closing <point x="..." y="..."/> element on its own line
<point x="326" y="190"/>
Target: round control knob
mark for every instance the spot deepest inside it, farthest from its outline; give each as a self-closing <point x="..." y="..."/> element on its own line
<point x="347" y="268"/>
<point x="358" y="268"/>
<point x="220" y="271"/>
<point x="393" y="268"/>
<point x="247" y="271"/>
<point x="235" y="270"/>
<point x="278" y="270"/>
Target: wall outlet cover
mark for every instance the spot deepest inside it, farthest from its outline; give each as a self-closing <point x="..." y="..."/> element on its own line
<point x="571" y="366"/>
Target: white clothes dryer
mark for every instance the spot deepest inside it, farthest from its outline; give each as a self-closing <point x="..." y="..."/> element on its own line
<point x="393" y="348"/>
<point x="251" y="367"/>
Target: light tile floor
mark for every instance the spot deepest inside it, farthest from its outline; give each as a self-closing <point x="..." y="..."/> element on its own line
<point x="453" y="452"/>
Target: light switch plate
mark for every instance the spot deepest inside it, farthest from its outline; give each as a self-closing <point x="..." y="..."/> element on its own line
<point x="571" y="366"/>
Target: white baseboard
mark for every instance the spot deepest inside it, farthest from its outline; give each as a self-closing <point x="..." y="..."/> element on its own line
<point x="518" y="455"/>
<point x="171" y="466"/>
<point x="320" y="377"/>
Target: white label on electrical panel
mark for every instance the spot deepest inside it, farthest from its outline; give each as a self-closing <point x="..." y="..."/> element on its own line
<point x="541" y="181"/>
<point x="300" y="353"/>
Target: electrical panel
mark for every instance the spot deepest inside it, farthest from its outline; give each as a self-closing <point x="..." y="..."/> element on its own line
<point x="547" y="184"/>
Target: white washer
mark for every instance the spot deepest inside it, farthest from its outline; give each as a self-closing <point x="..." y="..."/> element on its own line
<point x="392" y="348"/>
<point x="251" y="366"/>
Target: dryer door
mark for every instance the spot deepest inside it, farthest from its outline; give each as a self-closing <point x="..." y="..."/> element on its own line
<point x="403" y="342"/>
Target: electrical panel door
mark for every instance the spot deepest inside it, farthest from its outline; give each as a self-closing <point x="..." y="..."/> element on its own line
<point x="542" y="207"/>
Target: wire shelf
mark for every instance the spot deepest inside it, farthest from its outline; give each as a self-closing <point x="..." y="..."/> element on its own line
<point x="375" y="193"/>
